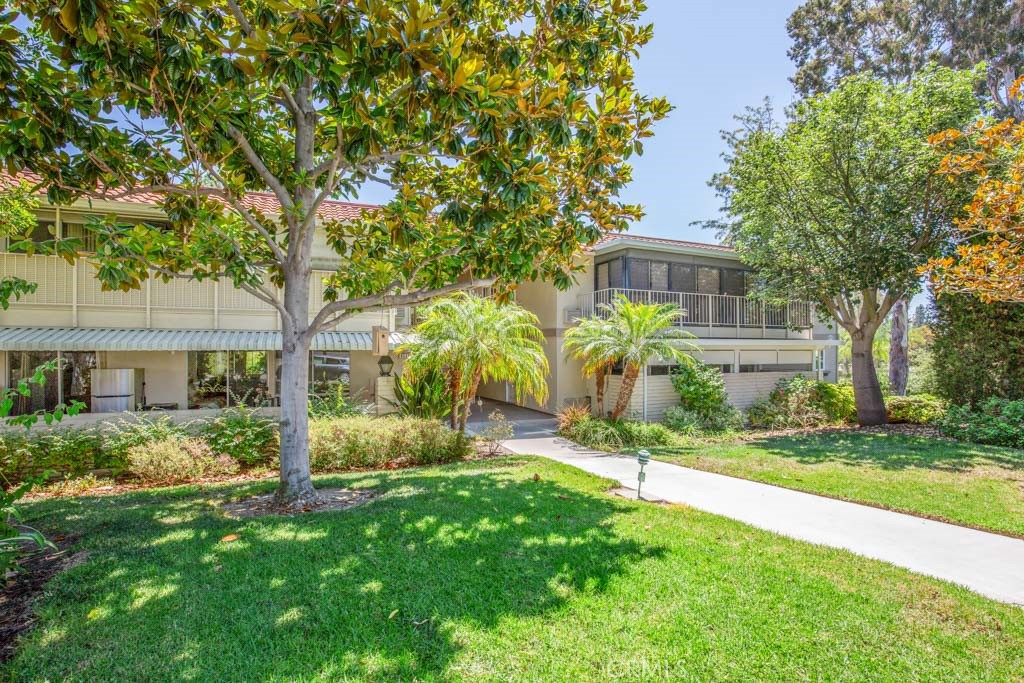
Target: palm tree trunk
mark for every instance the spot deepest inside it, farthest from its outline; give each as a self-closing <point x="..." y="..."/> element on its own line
<point x="456" y="388"/>
<point x="602" y="378"/>
<point x="629" y="376"/>
<point x="470" y="395"/>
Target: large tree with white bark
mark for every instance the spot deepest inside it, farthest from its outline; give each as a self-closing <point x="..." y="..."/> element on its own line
<point x="503" y="127"/>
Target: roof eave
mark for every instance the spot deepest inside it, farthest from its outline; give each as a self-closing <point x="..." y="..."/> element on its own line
<point x="694" y="250"/>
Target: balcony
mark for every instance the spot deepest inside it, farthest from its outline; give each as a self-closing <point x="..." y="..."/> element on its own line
<point x="715" y="315"/>
<point x="71" y="296"/>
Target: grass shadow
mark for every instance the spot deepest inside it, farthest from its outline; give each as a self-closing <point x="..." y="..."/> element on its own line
<point x="378" y="592"/>
<point x="888" y="451"/>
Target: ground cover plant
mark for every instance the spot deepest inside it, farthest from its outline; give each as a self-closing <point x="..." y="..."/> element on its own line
<point x="604" y="434"/>
<point x="968" y="484"/>
<point x="498" y="570"/>
<point x="997" y="421"/>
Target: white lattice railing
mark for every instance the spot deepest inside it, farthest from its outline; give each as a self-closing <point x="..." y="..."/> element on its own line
<point x="62" y="285"/>
<point x="707" y="310"/>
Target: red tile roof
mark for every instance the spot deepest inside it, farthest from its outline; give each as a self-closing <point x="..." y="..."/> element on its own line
<point x="264" y="202"/>
<point x="614" y="236"/>
<point x="267" y="203"/>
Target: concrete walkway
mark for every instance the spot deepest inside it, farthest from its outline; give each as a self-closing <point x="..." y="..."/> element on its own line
<point x="989" y="564"/>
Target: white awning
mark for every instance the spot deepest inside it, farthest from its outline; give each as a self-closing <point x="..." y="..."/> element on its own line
<point x="106" y="339"/>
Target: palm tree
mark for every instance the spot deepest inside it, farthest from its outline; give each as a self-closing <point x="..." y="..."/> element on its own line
<point x="631" y="334"/>
<point x="591" y="342"/>
<point x="475" y="339"/>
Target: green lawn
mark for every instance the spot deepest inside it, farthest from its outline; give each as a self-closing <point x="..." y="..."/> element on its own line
<point x="979" y="486"/>
<point x="479" y="572"/>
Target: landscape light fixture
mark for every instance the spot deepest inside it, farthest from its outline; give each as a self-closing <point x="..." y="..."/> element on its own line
<point x="643" y="457"/>
<point x="385" y="364"/>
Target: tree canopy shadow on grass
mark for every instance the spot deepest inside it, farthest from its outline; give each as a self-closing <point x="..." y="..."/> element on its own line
<point x="888" y="451"/>
<point x="378" y="592"/>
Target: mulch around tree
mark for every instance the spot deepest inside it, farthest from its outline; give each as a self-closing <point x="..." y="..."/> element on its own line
<point x="21" y="589"/>
<point x="331" y="499"/>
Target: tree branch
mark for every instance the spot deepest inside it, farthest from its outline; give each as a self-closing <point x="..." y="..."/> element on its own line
<point x="323" y="319"/>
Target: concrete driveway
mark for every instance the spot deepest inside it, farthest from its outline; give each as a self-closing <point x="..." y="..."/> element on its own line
<point x="526" y="423"/>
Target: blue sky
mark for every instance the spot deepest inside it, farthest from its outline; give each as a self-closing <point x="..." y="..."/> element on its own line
<point x="710" y="59"/>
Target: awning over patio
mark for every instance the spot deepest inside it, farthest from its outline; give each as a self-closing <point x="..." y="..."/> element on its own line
<point x="106" y="339"/>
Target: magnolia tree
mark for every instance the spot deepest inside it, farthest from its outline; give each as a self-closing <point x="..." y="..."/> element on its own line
<point x="844" y="203"/>
<point x="503" y="127"/>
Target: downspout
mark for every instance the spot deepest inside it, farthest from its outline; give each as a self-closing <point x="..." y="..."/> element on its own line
<point x="645" y="391"/>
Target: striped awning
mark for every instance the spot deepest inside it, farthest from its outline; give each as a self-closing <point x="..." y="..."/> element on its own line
<point x="108" y="339"/>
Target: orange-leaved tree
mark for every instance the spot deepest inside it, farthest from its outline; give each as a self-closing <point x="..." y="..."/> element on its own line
<point x="989" y="256"/>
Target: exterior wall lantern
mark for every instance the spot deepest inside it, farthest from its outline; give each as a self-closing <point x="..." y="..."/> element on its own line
<point x="643" y="457"/>
<point x="385" y="364"/>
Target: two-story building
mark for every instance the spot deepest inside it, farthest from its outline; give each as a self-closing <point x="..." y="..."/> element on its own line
<point x="198" y="345"/>
<point x="754" y="344"/>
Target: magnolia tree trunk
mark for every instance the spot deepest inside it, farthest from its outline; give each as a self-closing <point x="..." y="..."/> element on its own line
<point x="899" y="349"/>
<point x="866" y="390"/>
<point x="629" y="375"/>
<point x="296" y="487"/>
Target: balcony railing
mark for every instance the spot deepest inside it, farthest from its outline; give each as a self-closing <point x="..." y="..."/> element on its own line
<point x="710" y="311"/>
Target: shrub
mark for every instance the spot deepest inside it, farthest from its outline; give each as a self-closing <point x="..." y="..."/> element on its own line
<point x="637" y="434"/>
<point x="337" y="402"/>
<point x="177" y="459"/>
<point x="836" y="401"/>
<point x="800" y="402"/>
<point x="122" y="435"/>
<point x="689" y="423"/>
<point x="702" y="396"/>
<point x="244" y="434"/>
<point x="365" y="442"/>
<point x="570" y="416"/>
<point x="921" y="409"/>
<point x="701" y="388"/>
<point x="596" y="433"/>
<point x="683" y="421"/>
<point x="495" y="432"/>
<point x="614" y="435"/>
<point x="427" y="395"/>
<point x="978" y="349"/>
<point x="71" y="452"/>
<point x="997" y="422"/>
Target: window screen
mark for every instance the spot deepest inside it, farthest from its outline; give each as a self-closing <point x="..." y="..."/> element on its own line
<point x="733" y="282"/>
<point x="615" y="273"/>
<point x="659" y="276"/>
<point x="684" y="277"/>
<point x="639" y="274"/>
<point x="602" y="276"/>
<point x="709" y="280"/>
